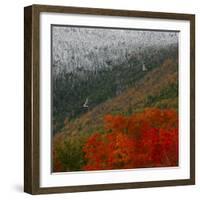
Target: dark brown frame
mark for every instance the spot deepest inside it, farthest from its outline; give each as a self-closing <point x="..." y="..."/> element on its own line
<point x="32" y="105"/>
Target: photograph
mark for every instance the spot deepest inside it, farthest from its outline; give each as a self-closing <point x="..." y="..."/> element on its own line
<point x="109" y="99"/>
<point x="114" y="98"/>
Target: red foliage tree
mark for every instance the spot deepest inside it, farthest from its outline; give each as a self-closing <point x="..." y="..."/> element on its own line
<point x="147" y="139"/>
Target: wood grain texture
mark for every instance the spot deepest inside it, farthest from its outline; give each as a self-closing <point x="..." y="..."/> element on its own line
<point x="192" y="98"/>
<point x="31" y="98"/>
<point x="28" y="161"/>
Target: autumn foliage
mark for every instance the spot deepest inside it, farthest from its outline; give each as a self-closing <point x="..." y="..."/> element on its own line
<point x="146" y="139"/>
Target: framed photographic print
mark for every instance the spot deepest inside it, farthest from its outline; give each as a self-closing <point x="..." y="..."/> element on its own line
<point x="109" y="99"/>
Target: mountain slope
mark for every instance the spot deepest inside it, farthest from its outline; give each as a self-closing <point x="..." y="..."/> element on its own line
<point x="71" y="89"/>
<point x="158" y="88"/>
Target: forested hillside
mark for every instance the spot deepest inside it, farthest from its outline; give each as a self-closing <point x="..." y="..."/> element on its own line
<point x="157" y="89"/>
<point x="122" y="79"/>
<point x="71" y="89"/>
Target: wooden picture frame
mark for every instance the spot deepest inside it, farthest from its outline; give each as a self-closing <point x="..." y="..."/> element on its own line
<point x="32" y="92"/>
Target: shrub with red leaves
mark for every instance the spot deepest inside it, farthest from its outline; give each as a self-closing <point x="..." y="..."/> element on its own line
<point x="146" y="139"/>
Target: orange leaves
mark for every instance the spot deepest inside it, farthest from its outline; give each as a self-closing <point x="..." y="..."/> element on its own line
<point x="121" y="151"/>
<point x="161" y="146"/>
<point x="115" y="123"/>
<point x="158" y="118"/>
<point x="147" y="139"/>
<point x="111" y="151"/>
<point x="95" y="152"/>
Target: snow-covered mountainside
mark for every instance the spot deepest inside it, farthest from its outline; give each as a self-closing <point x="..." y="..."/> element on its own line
<point x="80" y="48"/>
